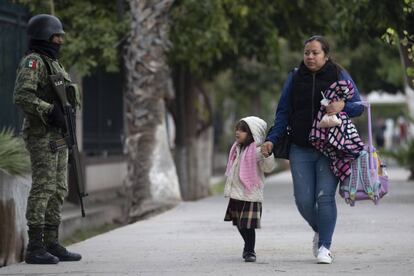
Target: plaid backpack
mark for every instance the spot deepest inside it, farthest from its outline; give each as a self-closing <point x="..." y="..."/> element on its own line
<point x="368" y="179"/>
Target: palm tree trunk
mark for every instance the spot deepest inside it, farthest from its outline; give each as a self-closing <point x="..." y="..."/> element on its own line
<point x="148" y="83"/>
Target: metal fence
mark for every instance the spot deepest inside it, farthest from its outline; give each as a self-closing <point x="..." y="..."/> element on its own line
<point x="102" y="114"/>
<point x="13" y="43"/>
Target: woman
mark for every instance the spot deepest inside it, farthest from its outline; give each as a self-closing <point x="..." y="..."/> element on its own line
<point x="313" y="181"/>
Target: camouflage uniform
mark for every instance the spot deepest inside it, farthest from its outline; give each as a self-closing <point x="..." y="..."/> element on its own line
<point x="44" y="123"/>
<point x="33" y="93"/>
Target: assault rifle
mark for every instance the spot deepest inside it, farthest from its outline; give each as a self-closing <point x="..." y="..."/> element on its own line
<point x="58" y="84"/>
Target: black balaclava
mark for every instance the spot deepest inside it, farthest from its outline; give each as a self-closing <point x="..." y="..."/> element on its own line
<point x="43" y="47"/>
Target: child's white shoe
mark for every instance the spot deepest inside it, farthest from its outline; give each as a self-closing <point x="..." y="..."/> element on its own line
<point x="324" y="256"/>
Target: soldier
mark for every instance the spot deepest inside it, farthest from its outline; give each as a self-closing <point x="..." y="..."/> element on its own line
<point x="44" y="122"/>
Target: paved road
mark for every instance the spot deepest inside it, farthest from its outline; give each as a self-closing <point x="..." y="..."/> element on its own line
<point x="192" y="239"/>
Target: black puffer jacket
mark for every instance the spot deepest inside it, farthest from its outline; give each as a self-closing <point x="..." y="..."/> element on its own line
<point x="306" y="97"/>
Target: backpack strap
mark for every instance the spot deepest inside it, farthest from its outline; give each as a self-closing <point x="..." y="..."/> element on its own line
<point x="353" y="181"/>
<point x="377" y="183"/>
<point x="366" y="175"/>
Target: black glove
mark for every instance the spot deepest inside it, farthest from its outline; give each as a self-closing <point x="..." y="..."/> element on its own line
<point x="56" y="118"/>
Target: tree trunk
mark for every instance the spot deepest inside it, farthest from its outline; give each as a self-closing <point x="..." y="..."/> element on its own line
<point x="256" y="105"/>
<point x="408" y="80"/>
<point x="13" y="201"/>
<point x="409" y="91"/>
<point x="148" y="82"/>
<point x="194" y="138"/>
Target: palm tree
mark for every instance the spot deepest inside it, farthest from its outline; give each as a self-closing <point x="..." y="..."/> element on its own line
<point x="148" y="85"/>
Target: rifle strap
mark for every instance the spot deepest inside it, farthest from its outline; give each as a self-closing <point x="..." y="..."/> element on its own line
<point x="48" y="69"/>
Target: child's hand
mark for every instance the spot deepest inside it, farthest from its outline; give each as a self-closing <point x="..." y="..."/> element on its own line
<point x="266" y="148"/>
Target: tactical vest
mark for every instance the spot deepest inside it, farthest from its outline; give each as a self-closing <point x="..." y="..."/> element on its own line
<point x="33" y="124"/>
<point x="54" y="67"/>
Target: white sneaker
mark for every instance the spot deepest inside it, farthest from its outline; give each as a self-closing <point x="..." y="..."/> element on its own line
<point x="324" y="256"/>
<point x="315" y="244"/>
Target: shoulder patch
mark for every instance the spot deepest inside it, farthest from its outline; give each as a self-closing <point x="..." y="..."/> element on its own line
<point x="32" y="63"/>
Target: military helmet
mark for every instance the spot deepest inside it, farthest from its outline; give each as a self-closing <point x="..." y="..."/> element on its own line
<point x="43" y="26"/>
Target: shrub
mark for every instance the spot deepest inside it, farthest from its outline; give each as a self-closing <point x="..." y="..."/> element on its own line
<point x="405" y="157"/>
<point x="14" y="159"/>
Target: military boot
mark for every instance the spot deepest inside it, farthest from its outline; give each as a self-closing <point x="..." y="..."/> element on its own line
<point x="36" y="252"/>
<point x="54" y="248"/>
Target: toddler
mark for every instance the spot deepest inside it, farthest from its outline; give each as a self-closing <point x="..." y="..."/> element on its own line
<point x="245" y="180"/>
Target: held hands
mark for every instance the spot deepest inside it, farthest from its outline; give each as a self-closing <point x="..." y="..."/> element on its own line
<point x="335" y="107"/>
<point x="266" y="148"/>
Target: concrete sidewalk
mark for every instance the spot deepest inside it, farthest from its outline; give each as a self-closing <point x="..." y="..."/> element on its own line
<point x="193" y="239"/>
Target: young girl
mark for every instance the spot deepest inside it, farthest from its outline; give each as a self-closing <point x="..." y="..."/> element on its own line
<point x="245" y="180"/>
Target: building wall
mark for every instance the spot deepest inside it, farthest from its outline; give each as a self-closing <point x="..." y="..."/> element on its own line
<point x="105" y="174"/>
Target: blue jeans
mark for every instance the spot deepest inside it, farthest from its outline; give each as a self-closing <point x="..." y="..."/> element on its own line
<point x="314" y="187"/>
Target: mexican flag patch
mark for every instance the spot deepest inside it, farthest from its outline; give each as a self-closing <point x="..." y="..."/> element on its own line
<point x="32" y="63"/>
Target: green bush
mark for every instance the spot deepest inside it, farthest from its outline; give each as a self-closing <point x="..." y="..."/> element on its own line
<point x="405" y="157"/>
<point x="14" y="159"/>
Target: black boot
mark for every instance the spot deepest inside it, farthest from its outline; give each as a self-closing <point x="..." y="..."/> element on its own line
<point x="242" y="232"/>
<point x="54" y="248"/>
<point x="36" y="252"/>
<point x="250" y="257"/>
<point x="244" y="252"/>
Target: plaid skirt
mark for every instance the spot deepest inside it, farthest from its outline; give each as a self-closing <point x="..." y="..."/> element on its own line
<point x="244" y="214"/>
